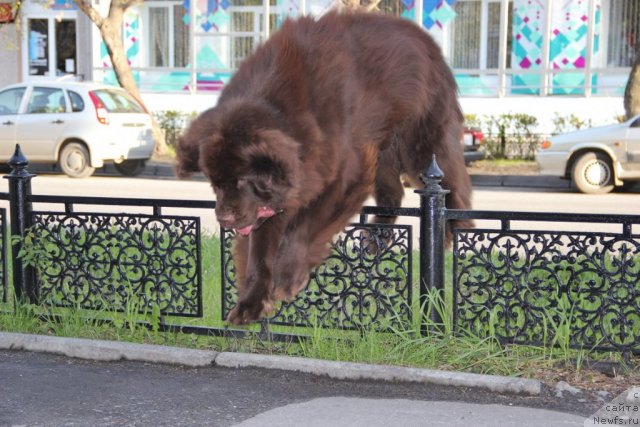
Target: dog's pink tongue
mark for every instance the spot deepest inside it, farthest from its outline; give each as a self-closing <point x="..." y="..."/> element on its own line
<point x="265" y="212"/>
<point x="245" y="231"/>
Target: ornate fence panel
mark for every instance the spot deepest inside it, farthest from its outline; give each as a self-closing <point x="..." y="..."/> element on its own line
<point x="530" y="287"/>
<point x="118" y="262"/>
<point x="356" y="287"/>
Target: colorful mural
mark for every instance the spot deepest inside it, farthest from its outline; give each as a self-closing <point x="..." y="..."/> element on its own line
<point x="216" y="52"/>
<point x="528" y="29"/>
<point x="567" y="44"/>
<point x="435" y="13"/>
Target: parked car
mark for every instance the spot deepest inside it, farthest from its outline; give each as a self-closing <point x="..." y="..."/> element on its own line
<point x="596" y="159"/>
<point x="471" y="141"/>
<point x="79" y="126"/>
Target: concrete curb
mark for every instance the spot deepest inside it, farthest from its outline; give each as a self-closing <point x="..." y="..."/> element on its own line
<point x="523" y="181"/>
<point x="362" y="371"/>
<point x="114" y="351"/>
<point x="106" y="350"/>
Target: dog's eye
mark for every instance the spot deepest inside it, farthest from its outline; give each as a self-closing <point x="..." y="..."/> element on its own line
<point x="261" y="191"/>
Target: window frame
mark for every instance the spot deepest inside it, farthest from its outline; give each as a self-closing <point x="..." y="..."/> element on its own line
<point x="145" y="10"/>
<point x="484" y="34"/>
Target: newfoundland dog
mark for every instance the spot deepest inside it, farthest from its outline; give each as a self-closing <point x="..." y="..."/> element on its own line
<point x="322" y="115"/>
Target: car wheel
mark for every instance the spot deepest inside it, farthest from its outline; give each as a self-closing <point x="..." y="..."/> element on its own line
<point x="130" y="167"/>
<point x="593" y="173"/>
<point x="74" y="160"/>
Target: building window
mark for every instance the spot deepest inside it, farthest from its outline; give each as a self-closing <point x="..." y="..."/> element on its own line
<point x="475" y="42"/>
<point x="624" y="32"/>
<point x="466" y="34"/>
<point x="168" y="36"/>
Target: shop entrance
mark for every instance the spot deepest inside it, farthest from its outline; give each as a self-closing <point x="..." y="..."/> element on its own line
<point x="51" y="48"/>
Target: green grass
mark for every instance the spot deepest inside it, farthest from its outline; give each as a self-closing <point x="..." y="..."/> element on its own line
<point x="471" y="350"/>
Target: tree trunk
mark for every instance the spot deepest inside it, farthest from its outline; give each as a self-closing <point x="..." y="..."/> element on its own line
<point x="632" y="91"/>
<point x="111" y="32"/>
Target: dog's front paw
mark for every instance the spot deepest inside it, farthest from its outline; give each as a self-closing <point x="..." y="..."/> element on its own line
<point x="246" y="312"/>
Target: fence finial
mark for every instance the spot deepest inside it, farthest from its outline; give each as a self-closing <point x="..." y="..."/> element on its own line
<point x="433" y="175"/>
<point x="18" y="162"/>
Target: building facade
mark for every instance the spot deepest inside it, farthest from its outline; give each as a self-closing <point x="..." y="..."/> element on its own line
<point x="526" y="56"/>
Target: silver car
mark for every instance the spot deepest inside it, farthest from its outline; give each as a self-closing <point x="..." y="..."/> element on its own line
<point x="79" y="126"/>
<point x="596" y="159"/>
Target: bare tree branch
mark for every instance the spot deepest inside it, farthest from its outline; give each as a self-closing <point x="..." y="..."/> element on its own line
<point x="93" y="14"/>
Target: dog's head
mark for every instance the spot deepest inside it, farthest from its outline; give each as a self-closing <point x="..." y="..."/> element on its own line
<point x="252" y="165"/>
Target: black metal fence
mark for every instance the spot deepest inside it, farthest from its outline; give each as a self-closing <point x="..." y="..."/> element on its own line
<point x="531" y="285"/>
<point x="524" y="286"/>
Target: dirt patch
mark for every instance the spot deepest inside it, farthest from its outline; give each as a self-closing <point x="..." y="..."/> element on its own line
<point x="613" y="381"/>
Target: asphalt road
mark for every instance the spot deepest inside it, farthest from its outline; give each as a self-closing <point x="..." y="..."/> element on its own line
<point x="47" y="390"/>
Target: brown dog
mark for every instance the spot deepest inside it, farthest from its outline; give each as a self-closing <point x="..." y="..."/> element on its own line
<point x="322" y="115"/>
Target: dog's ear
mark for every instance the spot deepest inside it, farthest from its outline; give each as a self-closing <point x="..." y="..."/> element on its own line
<point x="188" y="155"/>
<point x="275" y="165"/>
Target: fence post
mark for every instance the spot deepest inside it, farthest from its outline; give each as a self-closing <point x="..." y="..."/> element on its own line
<point x="20" y="217"/>
<point x="432" y="241"/>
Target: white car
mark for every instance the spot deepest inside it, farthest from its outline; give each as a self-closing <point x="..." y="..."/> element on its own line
<point x="79" y="126"/>
<point x="596" y="159"/>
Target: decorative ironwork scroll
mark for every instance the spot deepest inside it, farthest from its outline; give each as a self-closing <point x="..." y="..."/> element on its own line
<point x="364" y="283"/>
<point x="531" y="287"/>
<point x="118" y="262"/>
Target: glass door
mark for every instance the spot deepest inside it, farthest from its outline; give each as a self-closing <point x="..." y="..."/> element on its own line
<point x="38" y="36"/>
<point x="66" y="60"/>
<point x="51" y="47"/>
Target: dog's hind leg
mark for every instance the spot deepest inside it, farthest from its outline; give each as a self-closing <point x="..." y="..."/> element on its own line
<point x="388" y="189"/>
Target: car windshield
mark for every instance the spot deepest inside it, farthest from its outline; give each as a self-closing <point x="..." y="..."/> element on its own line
<point x="117" y="101"/>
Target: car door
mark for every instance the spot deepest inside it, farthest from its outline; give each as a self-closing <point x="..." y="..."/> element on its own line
<point x="10" y="100"/>
<point x="43" y="123"/>
<point x="633" y="143"/>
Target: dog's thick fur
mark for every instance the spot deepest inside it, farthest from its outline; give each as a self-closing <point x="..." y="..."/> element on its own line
<point x="322" y="115"/>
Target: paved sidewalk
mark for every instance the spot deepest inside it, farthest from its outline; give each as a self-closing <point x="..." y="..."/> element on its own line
<point x="161" y="170"/>
<point x="143" y="385"/>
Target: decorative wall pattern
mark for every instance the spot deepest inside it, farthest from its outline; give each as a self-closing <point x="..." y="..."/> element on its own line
<point x="227" y="30"/>
<point x="434" y="12"/>
<point x="528" y="29"/>
<point x="568" y="41"/>
<point x="132" y="35"/>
